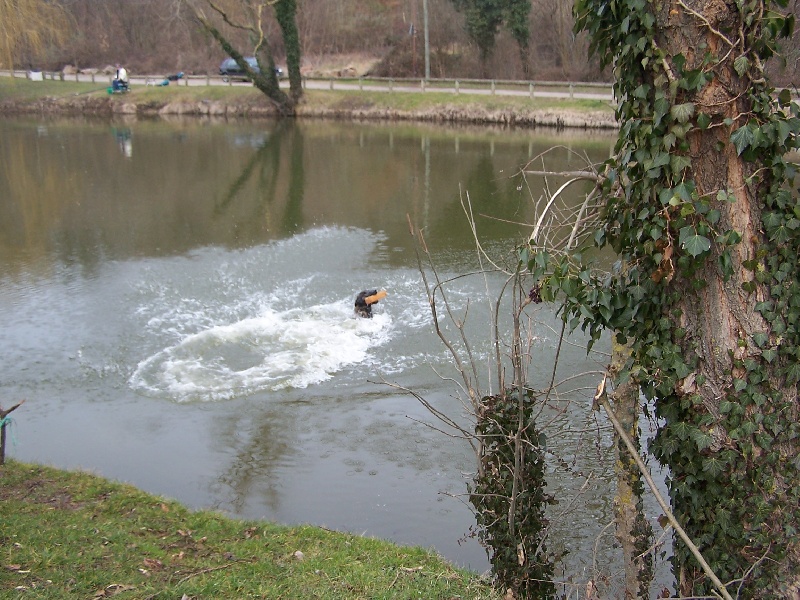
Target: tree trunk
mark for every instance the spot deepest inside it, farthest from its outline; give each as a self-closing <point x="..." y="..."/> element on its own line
<point x="286" y="12"/>
<point x="634" y="532"/>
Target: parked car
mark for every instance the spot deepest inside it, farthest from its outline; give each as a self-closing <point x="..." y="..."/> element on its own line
<point x="229" y="69"/>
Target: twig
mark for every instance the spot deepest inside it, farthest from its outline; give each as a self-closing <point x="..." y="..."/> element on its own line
<point x="591" y="175"/>
<point x="204" y="571"/>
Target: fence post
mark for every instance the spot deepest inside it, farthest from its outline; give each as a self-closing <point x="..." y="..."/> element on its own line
<point x="456" y="87"/>
<point x="493" y="87"/>
<point x="530" y="89"/>
<point x="391" y="85"/>
<point x="422" y="84"/>
<point x="331" y="82"/>
<point x="361" y="84"/>
<point x="571" y="91"/>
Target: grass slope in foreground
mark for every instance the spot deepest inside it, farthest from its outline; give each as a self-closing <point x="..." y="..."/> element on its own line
<point x="75" y="535"/>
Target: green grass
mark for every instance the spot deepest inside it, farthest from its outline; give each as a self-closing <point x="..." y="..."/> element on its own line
<point x="19" y="89"/>
<point x="408" y="101"/>
<point x="74" y="535"/>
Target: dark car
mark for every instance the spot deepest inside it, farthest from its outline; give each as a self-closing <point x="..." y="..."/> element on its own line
<point x="230" y="69"/>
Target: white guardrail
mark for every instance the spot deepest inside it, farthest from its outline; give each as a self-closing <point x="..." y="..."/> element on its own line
<point x="555" y="89"/>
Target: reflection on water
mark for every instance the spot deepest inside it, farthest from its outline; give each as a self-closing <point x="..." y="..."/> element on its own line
<point x="181" y="316"/>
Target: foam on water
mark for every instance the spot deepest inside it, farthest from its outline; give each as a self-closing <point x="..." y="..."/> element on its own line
<point x="271" y="351"/>
<point x="221" y="324"/>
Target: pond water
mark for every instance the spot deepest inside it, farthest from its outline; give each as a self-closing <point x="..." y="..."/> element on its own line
<point x="176" y="310"/>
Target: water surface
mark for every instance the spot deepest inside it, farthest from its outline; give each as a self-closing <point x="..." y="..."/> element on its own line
<point x="176" y="309"/>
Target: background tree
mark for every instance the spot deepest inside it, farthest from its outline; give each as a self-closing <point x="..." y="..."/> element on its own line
<point x="249" y="16"/>
<point x="27" y="27"/>
<point x="701" y="214"/>
<point x="483" y="21"/>
<point x="286" y="13"/>
<point x="517" y="18"/>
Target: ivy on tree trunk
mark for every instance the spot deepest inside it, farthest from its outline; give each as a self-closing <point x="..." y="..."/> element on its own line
<point x="700" y="211"/>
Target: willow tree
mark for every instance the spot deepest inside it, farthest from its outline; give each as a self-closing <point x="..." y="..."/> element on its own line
<point x="249" y="17"/>
<point x="28" y="26"/>
<point x="707" y="290"/>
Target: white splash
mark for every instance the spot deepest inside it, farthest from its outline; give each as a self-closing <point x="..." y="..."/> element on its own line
<point x="270" y="351"/>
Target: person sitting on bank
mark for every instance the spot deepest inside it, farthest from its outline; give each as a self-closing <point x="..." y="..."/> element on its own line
<point x="120" y="81"/>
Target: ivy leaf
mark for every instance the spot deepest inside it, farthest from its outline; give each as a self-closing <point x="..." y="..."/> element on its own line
<point x="694" y="243"/>
<point x="701" y="438"/>
<point x="660" y="108"/>
<point x="723" y="516"/>
<point x="741" y="65"/>
<point x="742" y="138"/>
<point x="713" y="466"/>
<point x="771" y="219"/>
<point x="682" y="430"/>
<point x="685" y="189"/>
<point x="793" y="373"/>
<point x="682" y="112"/>
<point x="760" y="338"/>
<point x="780" y="236"/>
<point x="679" y="162"/>
<point x="764" y="440"/>
<point x="659" y="160"/>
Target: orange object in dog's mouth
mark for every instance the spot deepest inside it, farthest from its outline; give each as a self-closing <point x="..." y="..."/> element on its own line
<point x="375" y="297"/>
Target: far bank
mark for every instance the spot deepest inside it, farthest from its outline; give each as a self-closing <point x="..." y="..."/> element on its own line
<point x="18" y="96"/>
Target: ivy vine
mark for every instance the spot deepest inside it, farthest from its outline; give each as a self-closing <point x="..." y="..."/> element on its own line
<point x="513" y="525"/>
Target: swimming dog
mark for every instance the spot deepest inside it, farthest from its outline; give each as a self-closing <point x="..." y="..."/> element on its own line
<point x="365" y="300"/>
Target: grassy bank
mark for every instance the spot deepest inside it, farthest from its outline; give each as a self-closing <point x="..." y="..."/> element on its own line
<point x="21" y="95"/>
<point x="74" y="535"/>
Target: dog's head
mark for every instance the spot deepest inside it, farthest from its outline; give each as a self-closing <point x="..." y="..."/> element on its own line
<point x="366" y="299"/>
